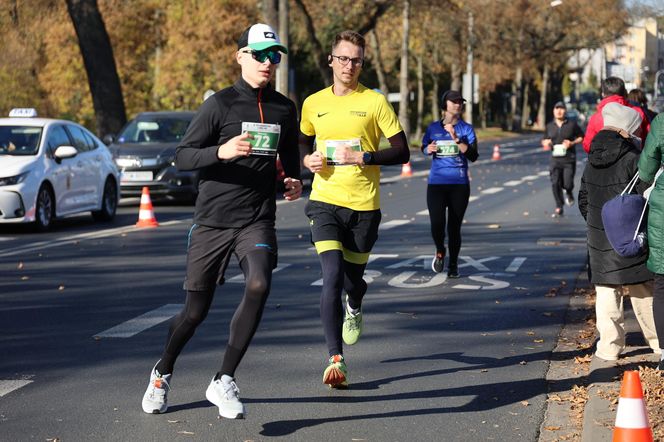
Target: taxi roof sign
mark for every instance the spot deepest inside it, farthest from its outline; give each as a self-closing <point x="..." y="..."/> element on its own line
<point x="23" y="112"/>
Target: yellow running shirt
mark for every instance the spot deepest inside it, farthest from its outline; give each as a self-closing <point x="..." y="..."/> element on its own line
<point x="357" y="119"/>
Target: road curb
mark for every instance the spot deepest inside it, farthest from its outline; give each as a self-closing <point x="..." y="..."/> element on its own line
<point x="558" y="423"/>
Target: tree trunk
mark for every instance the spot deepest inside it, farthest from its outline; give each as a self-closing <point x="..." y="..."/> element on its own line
<point x="525" y="107"/>
<point x="316" y="47"/>
<point x="541" y="111"/>
<point x="516" y="98"/>
<point x="403" y="74"/>
<point x="483" y="109"/>
<point x="435" y="88"/>
<point x="378" y="63"/>
<point x="270" y="13"/>
<point x="282" y="70"/>
<point x="456" y="78"/>
<point x="420" y="97"/>
<point x="99" y="64"/>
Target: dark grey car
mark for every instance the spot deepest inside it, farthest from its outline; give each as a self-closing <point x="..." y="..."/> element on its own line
<point x="144" y="152"/>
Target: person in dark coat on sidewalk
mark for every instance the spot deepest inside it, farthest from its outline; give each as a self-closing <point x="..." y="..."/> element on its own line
<point x="650" y="162"/>
<point x="612" y="162"/>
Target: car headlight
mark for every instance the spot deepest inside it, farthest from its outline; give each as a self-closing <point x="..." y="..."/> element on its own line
<point x="12" y="180"/>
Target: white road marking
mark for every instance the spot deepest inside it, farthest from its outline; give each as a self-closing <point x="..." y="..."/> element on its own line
<point x="512" y="183"/>
<point x="492" y="190"/>
<point x="473" y="198"/>
<point x="426" y="211"/>
<point x="515" y="264"/>
<point x="7" y="386"/>
<point x="97" y="234"/>
<point x="393" y="223"/>
<point x="477" y="263"/>
<point x="239" y="279"/>
<point x="140" y="323"/>
<point x="530" y="177"/>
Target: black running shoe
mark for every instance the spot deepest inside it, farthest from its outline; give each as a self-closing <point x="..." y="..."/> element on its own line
<point x="453" y="271"/>
<point x="437" y="263"/>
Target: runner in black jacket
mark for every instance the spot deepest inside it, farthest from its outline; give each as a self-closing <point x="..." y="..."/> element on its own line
<point x="233" y="140"/>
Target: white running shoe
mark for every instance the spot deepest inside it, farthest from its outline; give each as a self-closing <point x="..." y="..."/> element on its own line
<point x="224" y="394"/>
<point x="155" y="399"/>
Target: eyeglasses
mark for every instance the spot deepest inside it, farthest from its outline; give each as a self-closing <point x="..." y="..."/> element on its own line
<point x="265" y="54"/>
<point x="343" y="60"/>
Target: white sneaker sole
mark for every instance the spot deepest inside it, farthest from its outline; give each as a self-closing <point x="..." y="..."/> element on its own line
<point x="150" y="408"/>
<point x="224" y="412"/>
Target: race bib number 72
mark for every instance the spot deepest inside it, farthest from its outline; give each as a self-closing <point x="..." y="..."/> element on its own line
<point x="265" y="138"/>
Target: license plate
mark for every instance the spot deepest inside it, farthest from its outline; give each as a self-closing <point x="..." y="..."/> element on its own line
<point x="136" y="176"/>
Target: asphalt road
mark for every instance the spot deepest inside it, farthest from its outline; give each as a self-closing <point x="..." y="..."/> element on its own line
<point x="83" y="314"/>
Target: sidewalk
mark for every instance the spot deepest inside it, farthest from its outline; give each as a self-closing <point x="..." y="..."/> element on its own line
<point x="584" y="390"/>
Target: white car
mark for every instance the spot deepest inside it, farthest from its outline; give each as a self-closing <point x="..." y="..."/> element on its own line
<point x="53" y="168"/>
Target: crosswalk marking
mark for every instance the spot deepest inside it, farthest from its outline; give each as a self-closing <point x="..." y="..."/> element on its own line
<point x="140" y="323"/>
<point x="7" y="386"/>
<point x="394" y="223"/>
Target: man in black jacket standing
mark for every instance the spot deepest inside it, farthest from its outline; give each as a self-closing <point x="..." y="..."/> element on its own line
<point x="562" y="136"/>
<point x="233" y="140"/>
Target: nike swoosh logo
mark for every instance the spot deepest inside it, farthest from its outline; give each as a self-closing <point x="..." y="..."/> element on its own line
<point x="323" y="114"/>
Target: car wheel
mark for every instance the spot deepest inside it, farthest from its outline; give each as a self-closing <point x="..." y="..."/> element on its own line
<point x="45" y="209"/>
<point x="109" y="202"/>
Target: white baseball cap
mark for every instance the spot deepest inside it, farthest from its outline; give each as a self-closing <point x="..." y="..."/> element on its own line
<point x="260" y="36"/>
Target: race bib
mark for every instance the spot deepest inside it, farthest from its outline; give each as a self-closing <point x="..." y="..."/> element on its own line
<point x="265" y="138"/>
<point x="331" y="148"/>
<point x="559" y="150"/>
<point x="447" y="148"/>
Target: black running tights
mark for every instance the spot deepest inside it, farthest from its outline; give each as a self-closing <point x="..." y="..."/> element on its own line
<point x="257" y="269"/>
<point x="453" y="199"/>
<point x="339" y="276"/>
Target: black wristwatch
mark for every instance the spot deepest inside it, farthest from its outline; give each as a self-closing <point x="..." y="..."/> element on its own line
<point x="367" y="158"/>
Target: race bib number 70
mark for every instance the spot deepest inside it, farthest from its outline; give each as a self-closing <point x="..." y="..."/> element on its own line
<point x="265" y="138"/>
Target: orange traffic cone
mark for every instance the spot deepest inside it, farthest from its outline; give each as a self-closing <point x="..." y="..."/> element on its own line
<point x="406" y="170"/>
<point x="631" y="419"/>
<point x="146" y="214"/>
<point x="496" y="152"/>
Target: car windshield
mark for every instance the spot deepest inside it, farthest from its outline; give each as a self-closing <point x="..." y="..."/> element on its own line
<point x="154" y="130"/>
<point x="19" y="140"/>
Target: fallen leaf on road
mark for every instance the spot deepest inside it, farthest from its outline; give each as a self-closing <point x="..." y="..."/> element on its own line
<point x="530" y="333"/>
<point x="24" y="278"/>
<point x="525" y="403"/>
<point x="538" y="341"/>
<point x="20" y="265"/>
<point x="61" y="288"/>
<point x="552" y="428"/>
<point x="188" y="433"/>
<point x="173" y="421"/>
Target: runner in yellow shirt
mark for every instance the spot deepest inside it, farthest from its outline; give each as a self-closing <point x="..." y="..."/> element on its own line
<point x="345" y="122"/>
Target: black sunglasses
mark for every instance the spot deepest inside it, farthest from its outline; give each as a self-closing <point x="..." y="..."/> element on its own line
<point x="265" y="54"/>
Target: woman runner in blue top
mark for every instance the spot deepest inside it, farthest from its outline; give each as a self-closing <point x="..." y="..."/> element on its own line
<point x="451" y="142"/>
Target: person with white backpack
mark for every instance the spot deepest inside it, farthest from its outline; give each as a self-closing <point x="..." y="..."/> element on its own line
<point x="650" y="165"/>
<point x="612" y="163"/>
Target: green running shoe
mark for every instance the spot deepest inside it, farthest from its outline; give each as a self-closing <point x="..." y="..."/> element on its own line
<point x="352" y="328"/>
<point x="336" y="373"/>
